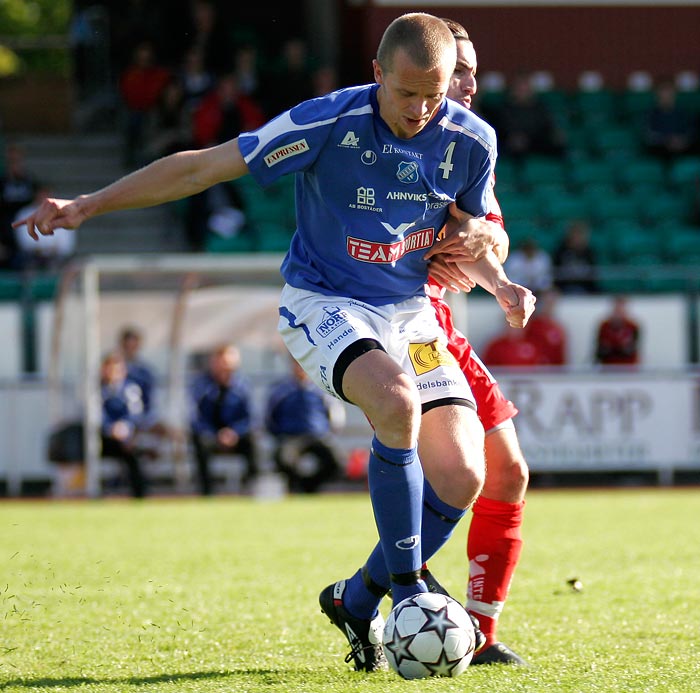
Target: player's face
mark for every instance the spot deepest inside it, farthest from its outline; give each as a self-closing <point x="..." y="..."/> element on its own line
<point x="463" y="81"/>
<point x="410" y="96"/>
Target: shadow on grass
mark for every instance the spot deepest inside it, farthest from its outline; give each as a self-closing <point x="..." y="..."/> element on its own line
<point x="70" y="681"/>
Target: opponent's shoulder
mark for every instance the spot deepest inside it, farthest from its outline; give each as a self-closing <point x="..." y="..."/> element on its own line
<point x="468" y="121"/>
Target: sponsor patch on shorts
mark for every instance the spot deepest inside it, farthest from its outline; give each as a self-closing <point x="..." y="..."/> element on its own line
<point x="428" y="357"/>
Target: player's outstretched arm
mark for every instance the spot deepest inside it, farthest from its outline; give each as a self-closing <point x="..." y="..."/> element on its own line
<point x="170" y="178"/>
<point x="517" y="302"/>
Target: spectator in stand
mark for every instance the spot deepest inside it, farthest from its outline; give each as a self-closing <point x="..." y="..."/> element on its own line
<point x="325" y="80"/>
<point x="222" y="419"/>
<point x="169" y="127"/>
<point x="140" y="85"/>
<point x="512" y="347"/>
<point x="195" y="79"/>
<point x="302" y="418"/>
<point x="546" y="331"/>
<point x="246" y="67"/>
<point x="209" y="34"/>
<point x="224" y="113"/>
<point x="618" y="336"/>
<point x="221" y="115"/>
<point x="123" y="417"/>
<point x="17" y="190"/>
<point x="525" y="124"/>
<point x="575" y="261"/>
<point x="670" y="130"/>
<point x="291" y="80"/>
<point x="531" y="266"/>
<point x="49" y="256"/>
<point x="138" y="370"/>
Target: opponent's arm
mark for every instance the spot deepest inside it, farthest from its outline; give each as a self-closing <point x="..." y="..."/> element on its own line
<point x="171" y="178"/>
<point x="517" y="302"/>
<point x="467" y="237"/>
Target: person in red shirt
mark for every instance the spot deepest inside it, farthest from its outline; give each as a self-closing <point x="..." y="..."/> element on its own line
<point x="140" y="86"/>
<point x="546" y="332"/>
<point x="513" y="347"/>
<point x="617" y="341"/>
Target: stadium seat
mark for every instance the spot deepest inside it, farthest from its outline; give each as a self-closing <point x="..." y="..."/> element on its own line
<point x="243" y="242"/>
<point x="273" y="237"/>
<point x="518" y="207"/>
<point x="592" y="172"/>
<point x="685" y="171"/>
<point x="565" y="207"/>
<point x="682" y="244"/>
<point x="664" y="207"/>
<point x="537" y="170"/>
<point x="613" y="141"/>
<point x="617" y="208"/>
<point x="637" y="246"/>
<point x="10" y="287"/>
<point x="642" y="170"/>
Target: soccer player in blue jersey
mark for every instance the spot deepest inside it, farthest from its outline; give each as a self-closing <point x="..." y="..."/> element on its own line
<point x="380" y="169"/>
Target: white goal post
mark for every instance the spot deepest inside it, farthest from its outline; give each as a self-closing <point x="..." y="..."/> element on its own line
<point x="184" y="304"/>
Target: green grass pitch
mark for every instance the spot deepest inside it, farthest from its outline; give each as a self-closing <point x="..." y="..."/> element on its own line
<point x="220" y="594"/>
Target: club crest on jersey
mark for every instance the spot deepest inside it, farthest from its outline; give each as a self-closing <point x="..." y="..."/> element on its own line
<point x="407" y="172"/>
<point x="335" y="317"/>
<point x="428" y="357"/>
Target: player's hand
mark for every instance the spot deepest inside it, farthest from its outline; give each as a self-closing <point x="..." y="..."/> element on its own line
<point x="517" y="302"/>
<point x="52" y="214"/>
<point x="227" y="437"/>
<point x="449" y="275"/>
<point x="465" y="237"/>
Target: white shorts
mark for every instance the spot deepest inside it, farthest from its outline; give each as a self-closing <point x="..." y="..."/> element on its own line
<point x="317" y="329"/>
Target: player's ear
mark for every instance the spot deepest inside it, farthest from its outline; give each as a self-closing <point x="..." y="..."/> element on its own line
<point x="378" y="75"/>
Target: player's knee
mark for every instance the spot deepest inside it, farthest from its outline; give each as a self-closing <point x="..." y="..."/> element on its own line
<point x="398" y="408"/>
<point x="460" y="484"/>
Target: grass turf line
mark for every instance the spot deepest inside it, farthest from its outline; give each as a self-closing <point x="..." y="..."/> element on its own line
<point x="220" y="594"/>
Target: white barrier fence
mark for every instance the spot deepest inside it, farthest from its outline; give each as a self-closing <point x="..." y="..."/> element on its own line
<point x="568" y="422"/>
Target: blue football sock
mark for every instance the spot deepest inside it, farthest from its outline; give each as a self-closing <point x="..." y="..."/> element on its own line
<point x="439" y="521"/>
<point x="396" y="490"/>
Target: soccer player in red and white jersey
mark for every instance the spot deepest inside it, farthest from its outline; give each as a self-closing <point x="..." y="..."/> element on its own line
<point x="494" y="541"/>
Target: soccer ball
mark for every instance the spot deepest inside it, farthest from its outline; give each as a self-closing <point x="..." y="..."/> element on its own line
<point x="428" y="634"/>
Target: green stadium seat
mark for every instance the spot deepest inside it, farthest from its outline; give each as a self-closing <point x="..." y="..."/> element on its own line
<point x="43" y="287"/>
<point x="620" y="207"/>
<point x="613" y="141"/>
<point x="637" y="246"/>
<point x="586" y="173"/>
<point x="685" y="171"/>
<point x="10" y="287"/>
<point x="243" y="242"/>
<point x="538" y="170"/>
<point x="565" y="207"/>
<point x="682" y="244"/>
<point x="596" y="106"/>
<point x="518" y="207"/>
<point x="273" y="237"/>
<point x="636" y="103"/>
<point x="642" y="170"/>
<point x="664" y="207"/>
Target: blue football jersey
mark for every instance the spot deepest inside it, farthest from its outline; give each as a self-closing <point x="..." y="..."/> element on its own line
<point x="370" y="204"/>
